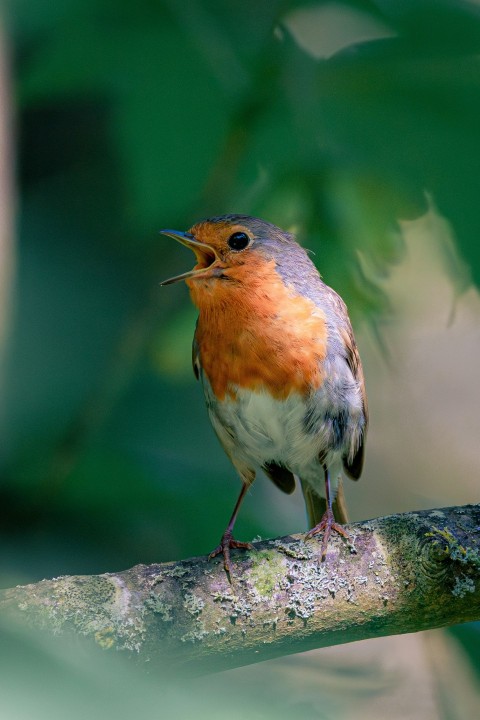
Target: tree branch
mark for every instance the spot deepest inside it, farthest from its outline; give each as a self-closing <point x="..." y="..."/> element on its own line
<point x="405" y="573"/>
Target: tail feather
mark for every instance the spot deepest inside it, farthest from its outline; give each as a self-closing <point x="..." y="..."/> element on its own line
<point x="316" y="505"/>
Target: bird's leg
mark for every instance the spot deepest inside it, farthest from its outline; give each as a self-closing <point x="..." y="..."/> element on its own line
<point x="228" y="542"/>
<point x="327" y="523"/>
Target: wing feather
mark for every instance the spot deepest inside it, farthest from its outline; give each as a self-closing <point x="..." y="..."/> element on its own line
<point x="282" y="477"/>
<point x="354" y="465"/>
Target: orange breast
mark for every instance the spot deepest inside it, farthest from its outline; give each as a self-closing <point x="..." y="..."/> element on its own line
<point x="255" y="332"/>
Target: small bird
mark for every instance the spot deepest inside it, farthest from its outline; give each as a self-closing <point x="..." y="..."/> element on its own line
<point x="282" y="377"/>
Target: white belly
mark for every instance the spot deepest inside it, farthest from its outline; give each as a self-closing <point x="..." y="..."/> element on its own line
<point x="255" y="428"/>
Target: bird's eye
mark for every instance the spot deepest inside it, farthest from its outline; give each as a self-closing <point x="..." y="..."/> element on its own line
<point x="238" y="241"/>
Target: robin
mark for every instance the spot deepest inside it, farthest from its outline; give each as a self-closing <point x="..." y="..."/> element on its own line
<point x="282" y="377"/>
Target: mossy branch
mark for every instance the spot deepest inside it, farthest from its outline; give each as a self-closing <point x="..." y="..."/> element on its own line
<point x="404" y="573"/>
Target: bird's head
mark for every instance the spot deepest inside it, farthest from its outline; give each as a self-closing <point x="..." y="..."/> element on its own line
<point x="229" y="246"/>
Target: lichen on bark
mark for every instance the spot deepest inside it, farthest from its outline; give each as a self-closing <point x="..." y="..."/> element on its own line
<point x="401" y="573"/>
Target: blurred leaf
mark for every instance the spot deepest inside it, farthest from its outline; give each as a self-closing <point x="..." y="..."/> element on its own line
<point x="326" y="28"/>
<point x="171" y="353"/>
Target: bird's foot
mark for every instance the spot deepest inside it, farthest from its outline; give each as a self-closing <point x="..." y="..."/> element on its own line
<point x="326" y="525"/>
<point x="228" y="543"/>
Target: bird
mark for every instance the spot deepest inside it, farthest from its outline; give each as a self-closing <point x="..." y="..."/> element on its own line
<point x="282" y="377"/>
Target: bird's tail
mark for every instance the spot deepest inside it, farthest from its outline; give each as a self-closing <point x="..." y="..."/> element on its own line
<point x="316" y="505"/>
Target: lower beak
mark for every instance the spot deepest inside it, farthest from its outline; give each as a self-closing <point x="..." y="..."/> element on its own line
<point x="206" y="255"/>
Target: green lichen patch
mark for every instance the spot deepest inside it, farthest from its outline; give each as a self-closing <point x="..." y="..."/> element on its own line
<point x="451" y="547"/>
<point x="96" y="606"/>
<point x="70" y="601"/>
<point x="445" y="540"/>
<point x="466" y="560"/>
<point x="105" y="637"/>
<point x="73" y="593"/>
<point x="266" y="570"/>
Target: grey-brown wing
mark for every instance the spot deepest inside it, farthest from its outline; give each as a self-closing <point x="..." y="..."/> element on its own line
<point x="354" y="465"/>
<point x="282" y="477"/>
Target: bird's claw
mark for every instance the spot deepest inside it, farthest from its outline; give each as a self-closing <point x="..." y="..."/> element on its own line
<point x="228" y="543"/>
<point x="326" y="525"/>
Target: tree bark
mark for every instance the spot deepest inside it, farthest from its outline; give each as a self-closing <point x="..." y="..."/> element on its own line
<point x="400" y="574"/>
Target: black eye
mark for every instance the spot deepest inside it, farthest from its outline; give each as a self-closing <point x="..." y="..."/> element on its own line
<point x="238" y="241"/>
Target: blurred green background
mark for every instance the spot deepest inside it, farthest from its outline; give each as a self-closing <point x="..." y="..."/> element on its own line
<point x="355" y="124"/>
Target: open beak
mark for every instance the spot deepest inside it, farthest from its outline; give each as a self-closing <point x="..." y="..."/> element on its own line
<point x="206" y="255"/>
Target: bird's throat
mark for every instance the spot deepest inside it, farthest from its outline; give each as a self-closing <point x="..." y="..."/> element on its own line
<point x="256" y="332"/>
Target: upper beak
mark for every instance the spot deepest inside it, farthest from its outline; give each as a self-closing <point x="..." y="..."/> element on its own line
<point x="206" y="255"/>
